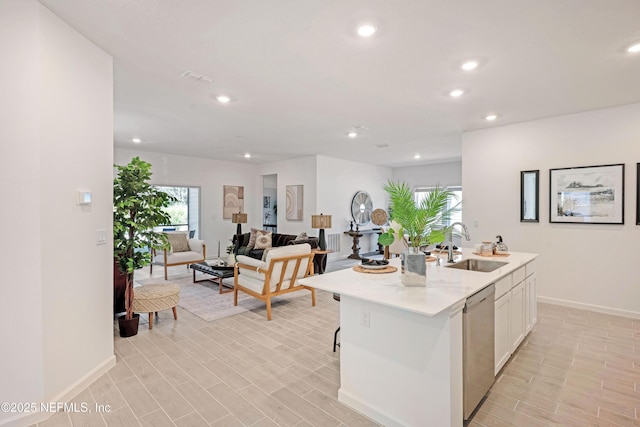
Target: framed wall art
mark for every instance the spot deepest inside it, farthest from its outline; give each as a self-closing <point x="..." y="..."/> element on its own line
<point x="637" y="193"/>
<point x="587" y="194"/>
<point x="233" y="200"/>
<point x="529" y="196"/>
<point x="295" y="202"/>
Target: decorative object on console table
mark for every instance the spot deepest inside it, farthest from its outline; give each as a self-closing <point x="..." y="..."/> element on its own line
<point x="239" y="218"/>
<point x="295" y="202"/>
<point x="134" y="197"/>
<point x="233" y="200"/>
<point x="587" y="194"/>
<point x="321" y="221"/>
<point x="361" y="208"/>
<point x="355" y="248"/>
<point x="424" y="223"/>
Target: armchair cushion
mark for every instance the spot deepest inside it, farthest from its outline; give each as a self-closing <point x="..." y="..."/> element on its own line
<point x="177" y="241"/>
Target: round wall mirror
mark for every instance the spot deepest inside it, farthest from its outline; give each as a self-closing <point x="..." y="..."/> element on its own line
<point x="361" y="208"/>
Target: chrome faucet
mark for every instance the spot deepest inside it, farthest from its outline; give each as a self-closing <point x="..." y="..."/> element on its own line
<point x="450" y="245"/>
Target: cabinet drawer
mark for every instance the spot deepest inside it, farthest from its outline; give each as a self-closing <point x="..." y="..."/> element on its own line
<point x="531" y="267"/>
<point x="503" y="286"/>
<point x="518" y="275"/>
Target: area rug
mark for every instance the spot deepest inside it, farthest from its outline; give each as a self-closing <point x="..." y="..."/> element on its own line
<point x="204" y="300"/>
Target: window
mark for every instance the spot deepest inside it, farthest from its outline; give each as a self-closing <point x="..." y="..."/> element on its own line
<point x="421" y="193"/>
<point x="185" y="211"/>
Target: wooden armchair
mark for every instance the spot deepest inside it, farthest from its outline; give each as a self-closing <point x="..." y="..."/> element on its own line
<point x="277" y="275"/>
<point x="183" y="251"/>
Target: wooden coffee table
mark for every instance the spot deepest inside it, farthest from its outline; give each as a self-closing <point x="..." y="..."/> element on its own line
<point x="218" y="272"/>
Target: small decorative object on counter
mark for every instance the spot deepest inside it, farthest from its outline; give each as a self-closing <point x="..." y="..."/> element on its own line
<point x="500" y="247"/>
<point x="487" y="249"/>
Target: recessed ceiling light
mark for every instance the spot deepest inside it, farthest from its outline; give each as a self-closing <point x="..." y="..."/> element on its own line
<point x="416" y="156"/>
<point x="366" y="30"/>
<point x="634" y="49"/>
<point x="469" y="65"/>
<point x="247" y="155"/>
<point x="456" y="93"/>
<point x="136" y="140"/>
<point x="223" y="98"/>
<point x="352" y="134"/>
<point x="491" y="117"/>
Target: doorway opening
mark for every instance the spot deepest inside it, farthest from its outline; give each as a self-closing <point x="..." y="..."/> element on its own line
<point x="270" y="202"/>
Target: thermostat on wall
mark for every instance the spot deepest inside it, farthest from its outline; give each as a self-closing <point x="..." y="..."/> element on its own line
<point x="84" y="197"/>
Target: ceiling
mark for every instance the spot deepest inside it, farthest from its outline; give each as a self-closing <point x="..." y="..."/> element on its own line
<point x="300" y="78"/>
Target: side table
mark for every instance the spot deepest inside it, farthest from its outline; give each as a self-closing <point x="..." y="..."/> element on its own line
<point x="320" y="260"/>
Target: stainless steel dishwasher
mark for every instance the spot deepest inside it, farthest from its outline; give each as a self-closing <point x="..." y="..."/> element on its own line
<point x="478" y="348"/>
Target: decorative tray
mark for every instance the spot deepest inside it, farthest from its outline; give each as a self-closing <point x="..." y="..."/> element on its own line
<point x="385" y="269"/>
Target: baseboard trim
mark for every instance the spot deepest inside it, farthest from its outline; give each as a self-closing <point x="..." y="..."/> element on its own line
<point x="28" y="419"/>
<point x="590" y="307"/>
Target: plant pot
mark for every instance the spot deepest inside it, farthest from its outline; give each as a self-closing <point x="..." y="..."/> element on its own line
<point x="129" y="328"/>
<point x="413" y="267"/>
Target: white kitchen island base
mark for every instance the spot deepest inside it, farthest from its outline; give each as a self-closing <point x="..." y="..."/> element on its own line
<point x="401" y="348"/>
<point x="405" y="369"/>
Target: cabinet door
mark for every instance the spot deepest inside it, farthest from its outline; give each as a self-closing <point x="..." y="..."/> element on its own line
<point x="531" y="303"/>
<point x="516" y="316"/>
<point x="502" y="348"/>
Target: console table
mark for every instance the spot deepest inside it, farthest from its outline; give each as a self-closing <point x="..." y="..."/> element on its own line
<point x="356" y="241"/>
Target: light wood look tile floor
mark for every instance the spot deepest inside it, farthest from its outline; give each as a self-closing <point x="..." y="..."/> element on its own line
<point x="576" y="368"/>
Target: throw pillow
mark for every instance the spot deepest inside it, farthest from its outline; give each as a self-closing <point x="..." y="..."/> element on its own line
<point x="178" y="242"/>
<point x="252" y="238"/>
<point x="263" y="239"/>
<point x="302" y="236"/>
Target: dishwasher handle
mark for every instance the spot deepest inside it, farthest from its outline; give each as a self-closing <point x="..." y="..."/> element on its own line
<point x="481" y="295"/>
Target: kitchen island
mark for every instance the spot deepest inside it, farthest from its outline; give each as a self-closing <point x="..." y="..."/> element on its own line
<point x="401" y="347"/>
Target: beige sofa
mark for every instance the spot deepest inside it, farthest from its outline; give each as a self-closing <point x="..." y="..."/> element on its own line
<point x="183" y="251"/>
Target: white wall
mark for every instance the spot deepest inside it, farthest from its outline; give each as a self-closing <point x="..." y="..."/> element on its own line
<point x="594" y="266"/>
<point x="338" y="181"/>
<point x="58" y="284"/>
<point x="210" y="175"/>
<point x="443" y="174"/>
<point x="300" y="171"/>
<point x="22" y="369"/>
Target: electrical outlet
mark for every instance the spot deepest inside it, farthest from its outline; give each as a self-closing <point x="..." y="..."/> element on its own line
<point x="365" y="319"/>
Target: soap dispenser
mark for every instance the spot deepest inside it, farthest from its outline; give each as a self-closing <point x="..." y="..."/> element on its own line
<point x="500" y="247"/>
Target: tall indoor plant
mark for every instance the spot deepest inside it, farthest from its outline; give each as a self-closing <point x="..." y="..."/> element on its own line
<point x="138" y="207"/>
<point x="423" y="222"/>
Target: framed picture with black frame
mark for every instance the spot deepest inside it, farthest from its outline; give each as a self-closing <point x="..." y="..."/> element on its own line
<point x="637" y="193"/>
<point x="587" y="194"/>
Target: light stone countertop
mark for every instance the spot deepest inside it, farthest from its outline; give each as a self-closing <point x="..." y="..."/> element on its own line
<point x="445" y="286"/>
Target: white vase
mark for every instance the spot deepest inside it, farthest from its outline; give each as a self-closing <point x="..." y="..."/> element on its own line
<point x="231" y="259"/>
<point x="413" y="267"/>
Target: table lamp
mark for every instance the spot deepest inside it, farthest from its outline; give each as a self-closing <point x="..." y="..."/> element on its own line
<point x="239" y="218"/>
<point x="321" y="222"/>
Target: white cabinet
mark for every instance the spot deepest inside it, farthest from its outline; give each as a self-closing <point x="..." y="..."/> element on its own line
<point x="531" y="306"/>
<point x="515" y="312"/>
<point x="502" y="349"/>
<point x="516" y="316"/>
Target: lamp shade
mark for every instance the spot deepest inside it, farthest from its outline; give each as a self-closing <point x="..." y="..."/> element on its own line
<point x="239" y="218"/>
<point x="320" y="221"/>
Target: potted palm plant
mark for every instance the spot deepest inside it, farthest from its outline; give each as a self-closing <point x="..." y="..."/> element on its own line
<point x="423" y="222"/>
<point x="138" y="207"/>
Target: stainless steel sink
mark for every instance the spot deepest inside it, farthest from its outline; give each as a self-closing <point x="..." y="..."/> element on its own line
<point x="481" y="265"/>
